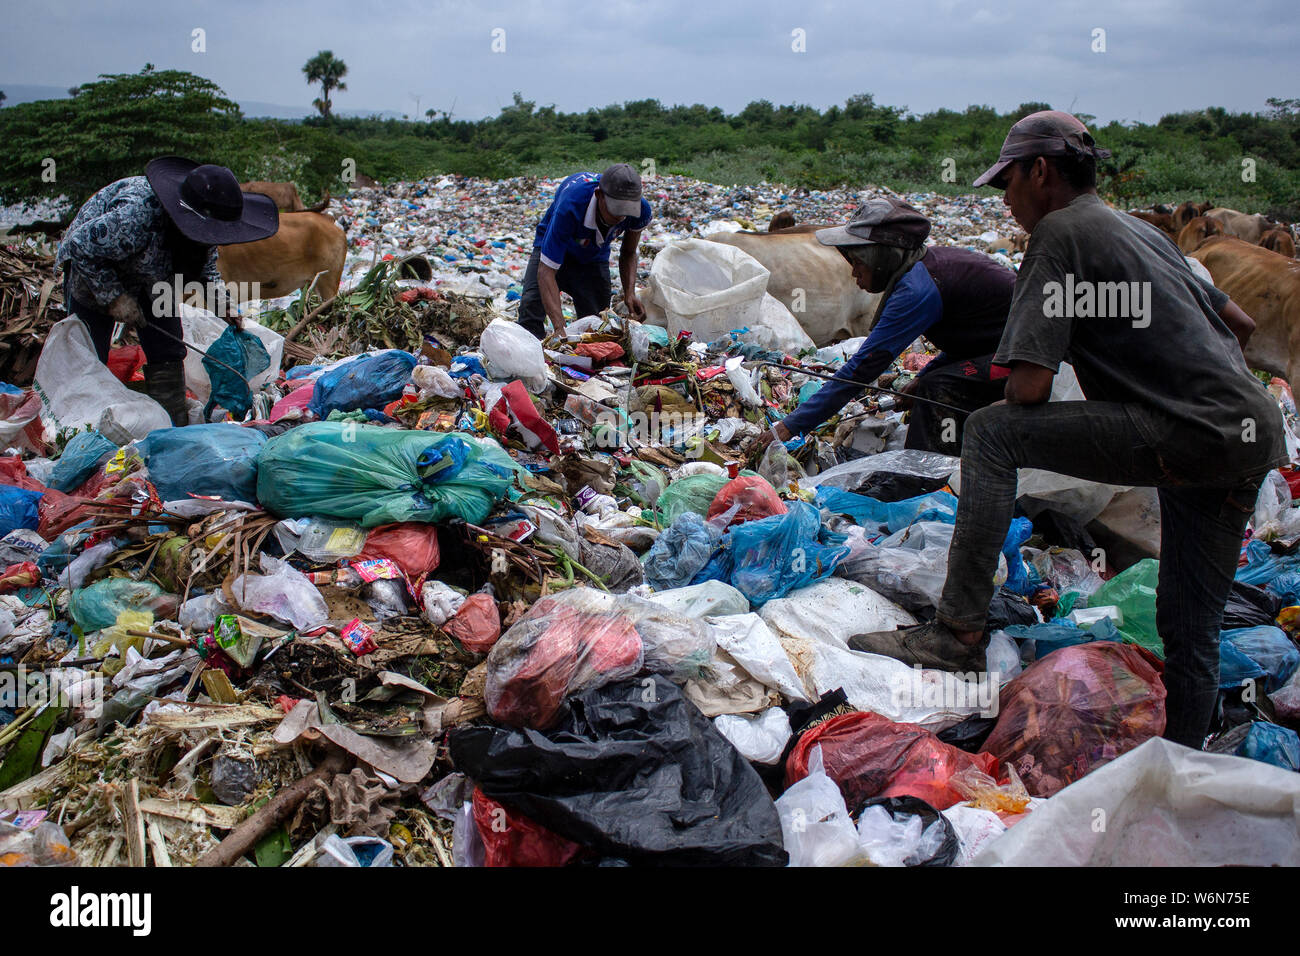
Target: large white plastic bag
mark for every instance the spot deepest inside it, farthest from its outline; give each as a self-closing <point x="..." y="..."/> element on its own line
<point x="760" y="738"/>
<point x="815" y="824"/>
<point x="281" y="591"/>
<point x="1162" y="804"/>
<point x="912" y="576"/>
<point x="77" y="390"/>
<point x="777" y="328"/>
<point x="832" y="611"/>
<point x="747" y="638"/>
<point x="708" y="288"/>
<point x="511" y="352"/>
<point x="201" y="329"/>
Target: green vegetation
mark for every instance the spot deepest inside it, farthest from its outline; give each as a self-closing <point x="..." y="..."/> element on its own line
<point x="327" y="70"/>
<point x="119" y="122"/>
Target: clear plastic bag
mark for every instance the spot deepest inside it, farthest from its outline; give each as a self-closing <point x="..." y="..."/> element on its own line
<point x="512" y="352"/>
<point x="679" y="554"/>
<point x="761" y="738"/>
<point x="281" y="591"/>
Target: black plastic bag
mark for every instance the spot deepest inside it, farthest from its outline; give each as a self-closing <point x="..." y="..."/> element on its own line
<point x="1007" y="608"/>
<point x="1249" y="606"/>
<point x="916" y="807"/>
<point x="969" y="735"/>
<point x="889" y="486"/>
<point x="1063" y="531"/>
<point x="633" y="771"/>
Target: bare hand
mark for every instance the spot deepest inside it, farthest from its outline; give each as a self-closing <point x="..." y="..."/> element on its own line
<point x="635" y="308"/>
<point x="126" y="310"/>
<point x="778" y="432"/>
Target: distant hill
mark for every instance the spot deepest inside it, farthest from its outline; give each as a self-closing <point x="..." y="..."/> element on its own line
<point x="16" y="93"/>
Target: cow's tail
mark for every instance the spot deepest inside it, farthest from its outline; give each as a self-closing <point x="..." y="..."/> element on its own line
<point x="320" y="206"/>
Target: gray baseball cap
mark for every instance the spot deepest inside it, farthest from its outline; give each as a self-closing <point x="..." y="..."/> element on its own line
<point x="889" y="222"/>
<point x="621" y="185"/>
<point x="1047" y="133"/>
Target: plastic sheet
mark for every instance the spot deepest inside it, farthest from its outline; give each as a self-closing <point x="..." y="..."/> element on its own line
<point x="511" y="839"/>
<point x="633" y="772"/>
<point x="380" y="476"/>
<point x="219" y="459"/>
<point x="709" y="598"/>
<point x="852" y="475"/>
<point x="19" y="508"/>
<point x="1163" y="805"/>
<point x="413" y="547"/>
<point x="370" y="381"/>
<point x="1075" y="710"/>
<point x="1133" y="591"/>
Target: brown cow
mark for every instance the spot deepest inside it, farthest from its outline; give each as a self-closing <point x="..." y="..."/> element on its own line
<point x="285" y="195"/>
<point x="1242" y="225"/>
<point x="1278" y="240"/>
<point x="1267" y="287"/>
<point x="306" y="244"/>
<point x="1161" y="220"/>
<point x="1197" y="231"/>
<point x="1188" y="211"/>
<point x="782" y="220"/>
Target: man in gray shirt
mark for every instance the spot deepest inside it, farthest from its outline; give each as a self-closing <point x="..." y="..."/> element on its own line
<point x="1170" y="403"/>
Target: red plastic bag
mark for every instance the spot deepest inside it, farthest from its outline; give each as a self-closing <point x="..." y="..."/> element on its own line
<point x="516" y="407"/>
<point x="477" y="624"/>
<point x="600" y="352"/>
<point x="871" y="756"/>
<point x="1076" y="709"/>
<point x="125" y="362"/>
<point x="755" y="495"/>
<point x="300" y="397"/>
<point x="24" y="575"/>
<point x="412" y="546"/>
<point x="512" y="839"/>
<point x="564" y="644"/>
<point x="14" y="472"/>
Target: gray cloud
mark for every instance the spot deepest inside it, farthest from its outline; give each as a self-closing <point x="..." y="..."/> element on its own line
<point x="1162" y="56"/>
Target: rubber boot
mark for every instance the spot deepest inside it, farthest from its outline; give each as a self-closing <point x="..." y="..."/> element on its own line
<point x="164" y="382"/>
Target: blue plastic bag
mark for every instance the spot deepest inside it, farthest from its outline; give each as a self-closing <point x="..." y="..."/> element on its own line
<point x="219" y="459"/>
<point x="892" y="515"/>
<point x="80" y="459"/>
<point x="1273" y="744"/>
<point x="773" y="556"/>
<point x="1018" y="579"/>
<point x="680" y="552"/>
<point x="1235" y="667"/>
<point x="18" y="508"/>
<point x="371" y="381"/>
<point x="1270" y="648"/>
<point x="1038" y="640"/>
<point x="244" y="353"/>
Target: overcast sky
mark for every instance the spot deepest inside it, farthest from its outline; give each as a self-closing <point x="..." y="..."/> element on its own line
<point x="1160" y="56"/>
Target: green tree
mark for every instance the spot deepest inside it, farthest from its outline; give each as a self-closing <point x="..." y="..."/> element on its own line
<point x="327" y="70"/>
<point x="111" y="129"/>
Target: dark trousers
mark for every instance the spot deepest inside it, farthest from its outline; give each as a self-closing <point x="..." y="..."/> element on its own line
<point x="587" y="283"/>
<point x="1201" y="525"/>
<point x="158" y="349"/>
<point x="969" y="384"/>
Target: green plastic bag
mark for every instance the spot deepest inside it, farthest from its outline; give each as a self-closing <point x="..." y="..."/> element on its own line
<point x="377" y="476"/>
<point x="97" y="605"/>
<point x="1133" y="591"/>
<point x="234" y="351"/>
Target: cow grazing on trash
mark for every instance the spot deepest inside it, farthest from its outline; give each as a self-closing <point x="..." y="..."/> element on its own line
<point x="1267" y="287"/>
<point x="307" y="244"/>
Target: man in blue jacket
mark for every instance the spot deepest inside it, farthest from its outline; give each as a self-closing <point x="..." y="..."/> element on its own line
<point x="571" y="248"/>
<point x="956" y="298"/>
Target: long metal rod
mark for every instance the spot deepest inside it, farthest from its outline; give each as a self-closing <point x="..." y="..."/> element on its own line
<point x="874" y="388"/>
<point x="210" y="358"/>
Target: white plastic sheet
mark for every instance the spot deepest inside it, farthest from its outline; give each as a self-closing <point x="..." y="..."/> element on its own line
<point x="708" y="288"/>
<point x="1162" y="804"/>
<point x="815" y="824"/>
<point x="760" y="738"/>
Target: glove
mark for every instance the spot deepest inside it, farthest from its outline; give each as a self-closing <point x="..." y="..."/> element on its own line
<point x="126" y="310"/>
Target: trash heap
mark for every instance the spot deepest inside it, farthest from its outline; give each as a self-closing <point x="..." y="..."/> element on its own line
<point x="466" y="598"/>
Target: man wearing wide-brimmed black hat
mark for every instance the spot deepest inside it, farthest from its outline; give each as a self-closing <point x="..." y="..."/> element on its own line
<point x="160" y="228"/>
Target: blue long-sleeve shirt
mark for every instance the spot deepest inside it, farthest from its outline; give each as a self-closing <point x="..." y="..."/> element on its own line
<point x="912" y="308"/>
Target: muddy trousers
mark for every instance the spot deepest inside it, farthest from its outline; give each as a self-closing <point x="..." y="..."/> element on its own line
<point x="1202" y="521"/>
<point x="968" y="384"/>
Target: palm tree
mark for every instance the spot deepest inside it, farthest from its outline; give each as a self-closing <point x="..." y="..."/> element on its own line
<point x="327" y="70"/>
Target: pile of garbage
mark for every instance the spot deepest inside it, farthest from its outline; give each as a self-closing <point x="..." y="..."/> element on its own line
<point x="466" y="598"/>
